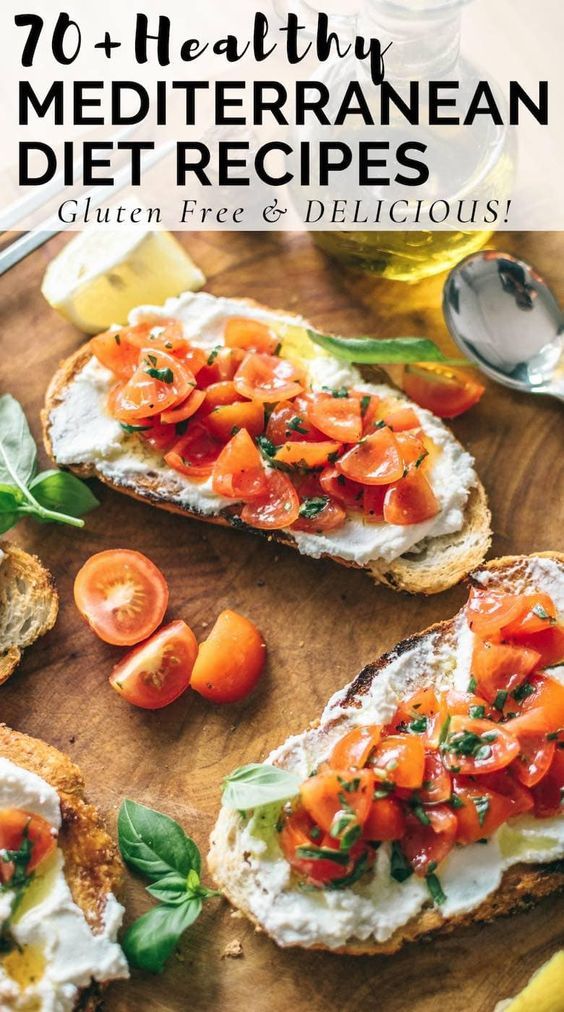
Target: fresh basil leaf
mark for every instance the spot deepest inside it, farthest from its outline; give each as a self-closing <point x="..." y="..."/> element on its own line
<point x="152" y="939"/>
<point x="10" y="503"/>
<point x="259" y="784"/>
<point x="170" y="889"/>
<point x="382" y="351"/>
<point x="61" y="490"/>
<point x="155" y="844"/>
<point x="18" y="453"/>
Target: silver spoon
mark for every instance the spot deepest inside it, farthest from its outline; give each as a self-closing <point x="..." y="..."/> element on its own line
<point x="504" y="317"/>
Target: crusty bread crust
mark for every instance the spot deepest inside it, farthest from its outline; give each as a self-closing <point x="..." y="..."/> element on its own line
<point x="443" y="563"/>
<point x="522" y="885"/>
<point x="93" y="867"/>
<point x="29" y="604"/>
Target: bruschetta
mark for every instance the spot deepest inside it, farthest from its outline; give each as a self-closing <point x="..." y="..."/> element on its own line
<point x="59" y="871"/>
<point x="429" y="794"/>
<point x="226" y="411"/>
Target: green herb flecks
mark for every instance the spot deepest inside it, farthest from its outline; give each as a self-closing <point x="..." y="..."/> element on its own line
<point x="400" y="868"/>
<point x="311" y="508"/>
<point x="435" y="889"/>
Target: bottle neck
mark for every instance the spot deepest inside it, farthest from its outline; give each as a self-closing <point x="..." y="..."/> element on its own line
<point x="425" y="36"/>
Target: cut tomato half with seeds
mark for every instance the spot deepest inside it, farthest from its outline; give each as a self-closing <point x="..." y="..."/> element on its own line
<point x="122" y="595"/>
<point x="268" y="378"/>
<point x="501" y="667"/>
<point x="279" y="508"/>
<point x="445" y="391"/>
<point x="376" y="460"/>
<point x="239" y="472"/>
<point x="230" y="661"/>
<point x="158" y="671"/>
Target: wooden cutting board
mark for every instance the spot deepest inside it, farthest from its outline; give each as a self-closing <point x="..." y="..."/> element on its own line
<point x="321" y="623"/>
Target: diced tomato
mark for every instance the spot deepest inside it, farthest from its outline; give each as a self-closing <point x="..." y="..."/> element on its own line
<point x="534" y="759"/>
<point x="161" y="332"/>
<point x="483" y="810"/>
<point x="349" y="493"/>
<point x="410" y="501"/>
<point x="412" y="448"/>
<point x="437" y="784"/>
<point x="230" y="661"/>
<point x="549" y="644"/>
<point x="239" y="473"/>
<point x="115" y="354"/>
<point x="464" y="702"/>
<point x="400" y="758"/>
<point x="426" y="845"/>
<point x="122" y="595"/>
<point x="17" y="825"/>
<point x="218" y="394"/>
<point x="402" y="420"/>
<point x="386" y="820"/>
<point x="476" y="746"/>
<point x="445" y="391"/>
<point x="195" y="453"/>
<point x="159" y="382"/>
<point x="548" y="694"/>
<point x="423" y="703"/>
<point x="290" y="423"/>
<point x="538" y="614"/>
<point x="248" y="415"/>
<point x="353" y="749"/>
<point x="187" y="408"/>
<point x="329" y="518"/>
<point x="194" y="358"/>
<point x="329" y="793"/>
<point x="268" y="378"/>
<point x="376" y="460"/>
<point x="278" y="509"/>
<point x="371" y="409"/>
<point x="373" y="503"/>
<point x="548" y="795"/>
<point x="158" y="671"/>
<point x="504" y="783"/>
<point x="501" y="667"/>
<point x="299" y="830"/>
<point x="243" y="332"/>
<point x="221" y="364"/>
<point x="506" y="616"/>
<point x="308" y="455"/>
<point x="159" y="436"/>
<point x="336" y="417"/>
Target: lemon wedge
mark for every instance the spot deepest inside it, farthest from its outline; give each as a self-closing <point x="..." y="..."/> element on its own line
<point x="543" y="993"/>
<point x="98" y="277"/>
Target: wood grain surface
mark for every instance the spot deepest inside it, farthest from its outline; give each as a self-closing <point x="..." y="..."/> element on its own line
<point x="321" y="623"/>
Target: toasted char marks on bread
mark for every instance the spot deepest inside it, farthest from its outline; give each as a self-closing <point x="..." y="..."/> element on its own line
<point x="29" y="605"/>
<point x="444" y="561"/>
<point x="93" y="867"/>
<point x="522" y="885"/>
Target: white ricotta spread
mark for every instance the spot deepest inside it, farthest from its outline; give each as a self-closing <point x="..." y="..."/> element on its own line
<point x="57" y="953"/>
<point x="82" y="431"/>
<point x="377" y="905"/>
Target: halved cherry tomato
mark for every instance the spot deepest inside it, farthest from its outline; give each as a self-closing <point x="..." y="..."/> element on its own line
<point x="289" y="422"/>
<point x="353" y="749"/>
<point x="402" y="419"/>
<point x="423" y="703"/>
<point x="157" y="671"/>
<point x="385" y="821"/>
<point x="412" y="448"/>
<point x="505" y="616"/>
<point x="115" y="354"/>
<point x="376" y="460"/>
<point x="218" y="394"/>
<point x="336" y="417"/>
<point x="426" y="845"/>
<point x="195" y="453"/>
<point x="329" y="518"/>
<point x="243" y="332"/>
<point x="239" y="473"/>
<point x="17" y="825"/>
<point x="410" y="501"/>
<point x="299" y="830"/>
<point x="122" y="595"/>
<point x="483" y="810"/>
<point x="401" y="759"/>
<point x="248" y="415"/>
<point x="476" y="746"/>
<point x="159" y="436"/>
<point x="333" y="791"/>
<point x="349" y="493"/>
<point x="437" y="784"/>
<point x="230" y="661"/>
<point x="548" y="694"/>
<point x="501" y="667"/>
<point x="534" y="759"/>
<point x="161" y="332"/>
<point x="308" y="455"/>
<point x="278" y="509"/>
<point x="445" y="391"/>
<point x="549" y="644"/>
<point x="373" y="503"/>
<point x="186" y="408"/>
<point x="539" y="613"/>
<point x="548" y="795"/>
<point x="159" y="382"/>
<point x="221" y="364"/>
<point x="268" y="378"/>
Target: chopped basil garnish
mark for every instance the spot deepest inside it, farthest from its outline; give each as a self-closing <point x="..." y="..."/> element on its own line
<point x="266" y="446"/>
<point x="468" y="743"/>
<point x="522" y="691"/>
<point x="500" y="699"/>
<point x="364" y="403"/>
<point x="444" y="731"/>
<point x="349" y="880"/>
<point x="400" y="868"/>
<point x="482" y="805"/>
<point x="418" y="725"/>
<point x="134" y="428"/>
<point x="420" y="813"/>
<point x="311" y="508"/>
<point x="296" y="425"/>
<point x="213" y="354"/>
<point x="456" y="802"/>
<point x="472" y="685"/>
<point x="313" y="853"/>
<point x="435" y="889"/>
<point x="477" y="712"/>
<point x="542" y="613"/>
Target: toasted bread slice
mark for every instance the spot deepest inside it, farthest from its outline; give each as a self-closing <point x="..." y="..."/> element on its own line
<point x="93" y="867"/>
<point x="436" y="563"/>
<point x="29" y="604"/>
<point x="424" y="659"/>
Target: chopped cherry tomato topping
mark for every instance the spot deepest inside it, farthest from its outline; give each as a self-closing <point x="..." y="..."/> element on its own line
<point x="161" y="332"/>
<point x="373" y="503"/>
<point x="158" y="671"/>
<point x="402" y="419"/>
<point x="279" y="508"/>
<point x="336" y="417"/>
<point x="476" y="746"/>
<point x="159" y="382"/>
<point x="242" y="332"/>
<point x="330" y="517"/>
<point x="445" y="391"/>
<point x="195" y="453"/>
<point x="534" y="759"/>
<point x="230" y="661"/>
<point x="549" y="644"/>
<point x="186" y="408"/>
<point x="352" y="751"/>
<point x="412" y="449"/>
<point x="159" y="436"/>
<point x="349" y="493"/>
<point x="219" y="394"/>
<point x="376" y="460"/>
<point x="332" y="794"/>
<point x="115" y="354"/>
<point x="239" y="473"/>
<point x="227" y="418"/>
<point x="386" y="820"/>
<point x="499" y="666"/>
<point x="221" y="364"/>
<point x="400" y="759"/>
<point x="268" y="378"/>
<point x="427" y="843"/>
<point x="299" y="831"/>
<point x="547" y="694"/>
<point x="548" y="795"/>
<point x="288" y="423"/>
<point x="17" y="825"/>
<point x="482" y="811"/>
<point x="504" y="783"/>
<point x="437" y="783"/>
<point x="410" y="501"/>
<point x="122" y="595"/>
<point x="506" y="616"/>
<point x="308" y="455"/>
